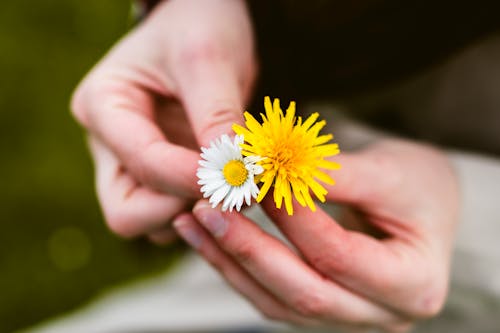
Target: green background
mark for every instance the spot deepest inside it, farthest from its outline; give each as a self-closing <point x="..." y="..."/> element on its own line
<point x="55" y="251"/>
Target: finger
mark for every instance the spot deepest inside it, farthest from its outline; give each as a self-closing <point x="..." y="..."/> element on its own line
<point x="202" y="242"/>
<point x="129" y="208"/>
<point x="162" y="236"/>
<point x="359" y="180"/>
<point x="400" y="328"/>
<point x="381" y="270"/>
<point x="369" y="178"/>
<point x="291" y="280"/>
<point x="212" y="95"/>
<point x="121" y="115"/>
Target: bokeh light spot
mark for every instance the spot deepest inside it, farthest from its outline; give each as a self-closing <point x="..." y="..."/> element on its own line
<point x="69" y="248"/>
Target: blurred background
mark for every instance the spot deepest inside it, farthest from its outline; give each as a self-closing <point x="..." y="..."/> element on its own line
<point x="55" y="251"/>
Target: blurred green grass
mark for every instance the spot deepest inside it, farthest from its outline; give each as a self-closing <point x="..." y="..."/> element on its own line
<point x="55" y="252"/>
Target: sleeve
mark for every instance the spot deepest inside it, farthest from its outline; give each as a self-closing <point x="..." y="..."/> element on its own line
<point x="141" y="8"/>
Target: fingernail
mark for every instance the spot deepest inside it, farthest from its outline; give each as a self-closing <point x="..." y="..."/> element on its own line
<point x="212" y="219"/>
<point x="187" y="232"/>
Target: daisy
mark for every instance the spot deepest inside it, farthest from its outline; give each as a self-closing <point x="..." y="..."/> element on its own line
<point x="226" y="175"/>
<point x="294" y="153"/>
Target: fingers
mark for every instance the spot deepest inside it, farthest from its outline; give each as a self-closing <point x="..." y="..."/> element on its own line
<point x="383" y="270"/>
<point x="120" y="114"/>
<point x="129" y="208"/>
<point x="162" y="236"/>
<point x="362" y="178"/>
<point x="240" y="280"/>
<point x="211" y="91"/>
<point x="285" y="275"/>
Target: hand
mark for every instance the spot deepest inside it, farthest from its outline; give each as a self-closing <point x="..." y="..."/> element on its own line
<point x="175" y="82"/>
<point x="336" y="276"/>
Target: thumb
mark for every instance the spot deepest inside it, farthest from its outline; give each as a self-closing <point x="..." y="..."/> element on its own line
<point x="212" y="96"/>
<point x="365" y="178"/>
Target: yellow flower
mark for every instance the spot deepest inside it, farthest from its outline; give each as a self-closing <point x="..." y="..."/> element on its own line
<point x="293" y="153"/>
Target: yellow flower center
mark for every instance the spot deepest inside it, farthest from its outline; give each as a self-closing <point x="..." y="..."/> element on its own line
<point x="284" y="155"/>
<point x="235" y="172"/>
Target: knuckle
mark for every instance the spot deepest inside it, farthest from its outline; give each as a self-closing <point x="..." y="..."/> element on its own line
<point x="216" y="260"/>
<point x="83" y="98"/>
<point x="78" y="105"/>
<point x="392" y="170"/>
<point x="399" y="327"/>
<point x="201" y="48"/>
<point x="98" y="92"/>
<point x="245" y="253"/>
<point x="310" y="305"/>
<point x="430" y="302"/>
<point x="330" y="264"/>
<point x="142" y="164"/>
<point x="337" y="261"/>
<point x="218" y="265"/>
<point x="431" y="305"/>
<point x="120" y="223"/>
<point x="102" y="92"/>
<point x="272" y="314"/>
<point x="223" y="114"/>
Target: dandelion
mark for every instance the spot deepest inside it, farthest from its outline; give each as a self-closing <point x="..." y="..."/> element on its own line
<point x="294" y="153"/>
<point x="225" y="175"/>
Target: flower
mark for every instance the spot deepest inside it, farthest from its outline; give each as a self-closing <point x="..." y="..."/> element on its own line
<point x="226" y="175"/>
<point x="293" y="153"/>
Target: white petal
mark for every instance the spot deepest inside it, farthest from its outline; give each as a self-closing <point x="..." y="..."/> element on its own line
<point x="240" y="200"/>
<point x="206" y="181"/>
<point x="254" y="190"/>
<point x="258" y="170"/>
<point x="210" y="188"/>
<point x="219" y="195"/>
<point x="204" y="173"/>
<point x="208" y="164"/>
<point x="227" y="200"/>
<point x="230" y="153"/>
<point x="234" y="199"/>
<point x="247" y="193"/>
<point x="214" y="185"/>
<point x="254" y="169"/>
<point x="253" y="159"/>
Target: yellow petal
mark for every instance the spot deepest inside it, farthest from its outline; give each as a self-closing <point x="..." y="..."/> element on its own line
<point x="287" y="194"/>
<point x="240" y="130"/>
<point x="322" y="139"/>
<point x="328" y="150"/>
<point x="268" y="181"/>
<point x="267" y="105"/>
<point x="252" y="124"/>
<point x="309" y="200"/>
<point x="325" y="178"/>
<point x="318" y="190"/>
<point x="312" y="118"/>
<point x="325" y="164"/>
<point x="296" y="192"/>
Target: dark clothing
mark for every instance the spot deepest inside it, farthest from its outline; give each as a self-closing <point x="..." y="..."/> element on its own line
<point x="319" y="49"/>
<point x="399" y="65"/>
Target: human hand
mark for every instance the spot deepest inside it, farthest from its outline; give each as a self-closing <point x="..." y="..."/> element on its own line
<point x="175" y="82"/>
<point x="338" y="276"/>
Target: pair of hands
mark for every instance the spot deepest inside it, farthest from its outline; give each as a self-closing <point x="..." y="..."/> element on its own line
<point x="181" y="79"/>
<point x="345" y="276"/>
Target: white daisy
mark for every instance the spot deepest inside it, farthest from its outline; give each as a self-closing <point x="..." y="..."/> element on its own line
<point x="226" y="175"/>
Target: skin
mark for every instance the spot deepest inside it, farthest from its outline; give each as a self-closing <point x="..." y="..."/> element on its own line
<point x="337" y="276"/>
<point x="179" y="80"/>
<point x="174" y="83"/>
